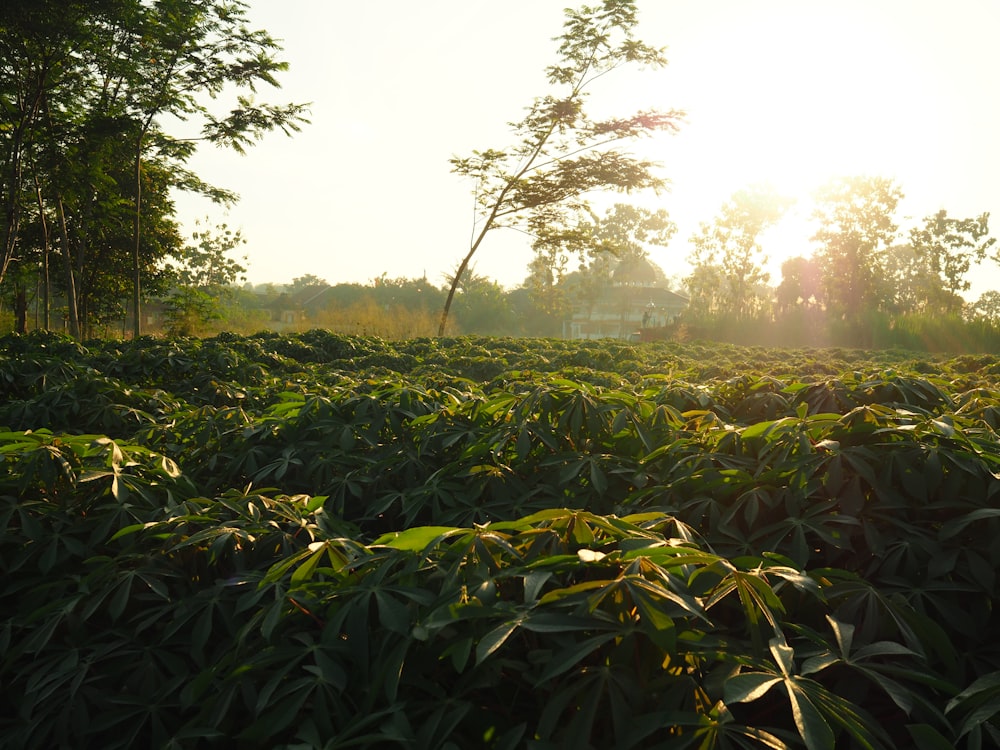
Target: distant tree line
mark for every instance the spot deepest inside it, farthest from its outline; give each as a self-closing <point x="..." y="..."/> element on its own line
<point x="865" y="284"/>
<point x="863" y="279"/>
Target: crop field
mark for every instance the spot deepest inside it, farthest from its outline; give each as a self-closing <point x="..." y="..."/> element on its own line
<point x="312" y="540"/>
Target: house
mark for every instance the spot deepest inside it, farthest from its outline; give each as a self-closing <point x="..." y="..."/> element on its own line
<point x="630" y="303"/>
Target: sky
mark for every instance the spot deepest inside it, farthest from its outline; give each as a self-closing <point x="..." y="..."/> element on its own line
<point x="793" y="92"/>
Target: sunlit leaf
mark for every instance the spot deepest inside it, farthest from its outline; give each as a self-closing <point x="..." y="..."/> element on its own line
<point x="749" y="686"/>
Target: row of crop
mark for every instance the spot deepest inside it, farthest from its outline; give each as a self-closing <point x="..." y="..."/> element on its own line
<point x="396" y="455"/>
<point x="108" y="393"/>
<point x="328" y="558"/>
<point x="248" y="360"/>
<point x="138" y="613"/>
<point x="905" y="500"/>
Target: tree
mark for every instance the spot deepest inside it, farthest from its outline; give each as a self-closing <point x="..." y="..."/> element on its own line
<point x="193" y="51"/>
<point x="481" y="305"/>
<point x="946" y="249"/>
<point x="610" y="245"/>
<point x="543" y="303"/>
<point x="305" y="281"/>
<point x="188" y="308"/>
<point x="205" y="264"/>
<point x="731" y="246"/>
<point x="203" y="276"/>
<point x="626" y="232"/>
<point x="987" y="307"/>
<point x="800" y="284"/>
<point x="39" y="42"/>
<point x="100" y="79"/>
<point x="856" y="228"/>
<point x="561" y="154"/>
<point x="704" y="288"/>
<point x="416" y="294"/>
<point x="913" y="286"/>
<point x="99" y="222"/>
<point x="601" y="245"/>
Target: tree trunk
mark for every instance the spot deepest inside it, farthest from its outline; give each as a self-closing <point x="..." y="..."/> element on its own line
<point x="10" y="219"/>
<point x="73" y="312"/>
<point x="136" y="228"/>
<point x="46" y="286"/>
<point x="20" y="309"/>
<point x="451" y="293"/>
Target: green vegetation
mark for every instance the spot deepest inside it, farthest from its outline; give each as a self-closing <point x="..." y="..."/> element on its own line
<point x="562" y="156"/>
<point x="96" y="136"/>
<point x="317" y="540"/>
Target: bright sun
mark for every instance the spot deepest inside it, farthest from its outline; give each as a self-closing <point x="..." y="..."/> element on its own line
<point x="795" y="99"/>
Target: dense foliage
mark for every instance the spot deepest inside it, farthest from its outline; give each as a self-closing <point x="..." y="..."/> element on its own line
<point x="326" y="541"/>
<point x="105" y="103"/>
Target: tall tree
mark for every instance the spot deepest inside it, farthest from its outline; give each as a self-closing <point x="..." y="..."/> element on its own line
<point x="946" y="248"/>
<point x="856" y="228"/>
<point x="626" y="231"/>
<point x="731" y="245"/>
<point x="305" y="281"/>
<point x="206" y="263"/>
<point x="543" y="299"/>
<point x="190" y="52"/>
<point x="101" y="75"/>
<point x="914" y="286"/>
<point x="987" y="307"/>
<point x="561" y="154"/>
<point x="42" y="44"/>
<point x="481" y="305"/>
<point x="609" y="244"/>
<point x="202" y="274"/>
<point x="800" y="284"/>
<point x="704" y="287"/>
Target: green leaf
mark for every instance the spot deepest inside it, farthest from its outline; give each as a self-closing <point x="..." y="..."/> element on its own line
<point x="843" y="632"/>
<point x="987" y="683"/>
<point x="981" y="698"/>
<point x="762" y="429"/>
<point x="563" y="593"/>
<point x="927" y="737"/>
<point x="131" y="529"/>
<point x="315" y="503"/>
<point x="813" y="728"/>
<point x="541" y="621"/>
<point x="783" y="656"/>
<point x="572" y="655"/>
<point x="304" y="571"/>
<point x="392" y="614"/>
<point x="749" y="686"/>
<point x="533" y="583"/>
<point x="418" y="538"/>
<point x="818" y="663"/>
<point x="957" y="525"/>
<point x="495" y="639"/>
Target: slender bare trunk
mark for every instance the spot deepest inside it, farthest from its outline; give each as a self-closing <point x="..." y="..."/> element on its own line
<point x="20" y="308"/>
<point x="14" y="179"/>
<point x="46" y="286"/>
<point x="11" y="211"/>
<point x="136" y="228"/>
<point x="74" y="316"/>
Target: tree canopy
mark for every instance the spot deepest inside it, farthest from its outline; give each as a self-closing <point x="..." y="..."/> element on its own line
<point x="107" y="102"/>
<point x="728" y="259"/>
<point x="561" y="154"/>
